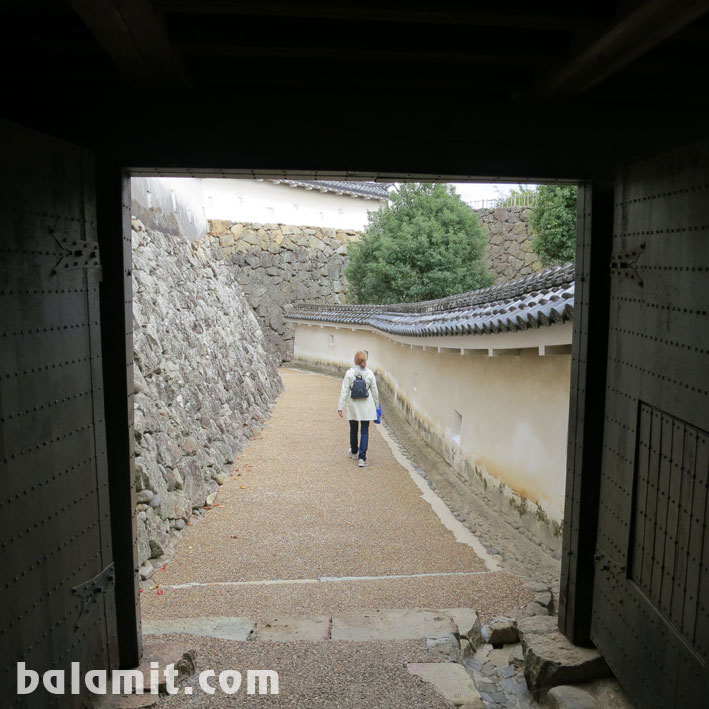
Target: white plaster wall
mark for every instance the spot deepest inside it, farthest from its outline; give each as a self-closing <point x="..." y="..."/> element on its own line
<point x="170" y="203"/>
<point x="247" y="200"/>
<point x="514" y="407"/>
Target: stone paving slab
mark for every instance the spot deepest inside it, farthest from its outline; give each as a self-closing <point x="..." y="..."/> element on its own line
<point x="360" y="626"/>
<point x="391" y="625"/>
<point x="214" y="627"/>
<point x="451" y="680"/>
<point x="285" y="628"/>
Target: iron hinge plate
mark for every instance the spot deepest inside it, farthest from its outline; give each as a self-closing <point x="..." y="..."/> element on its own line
<point x="93" y="589"/>
<point x="626" y="264"/>
<point x="76" y="254"/>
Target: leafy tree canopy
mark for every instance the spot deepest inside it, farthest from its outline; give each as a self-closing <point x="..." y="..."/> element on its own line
<point x="427" y="243"/>
<point x="553" y="221"/>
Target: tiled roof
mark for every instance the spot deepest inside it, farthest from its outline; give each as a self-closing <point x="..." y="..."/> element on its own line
<point x="373" y="190"/>
<point x="540" y="299"/>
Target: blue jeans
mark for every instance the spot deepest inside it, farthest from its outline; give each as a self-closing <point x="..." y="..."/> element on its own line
<point x="364" y="442"/>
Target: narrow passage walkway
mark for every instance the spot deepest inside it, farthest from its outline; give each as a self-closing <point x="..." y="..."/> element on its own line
<point x="300" y="530"/>
<point x="299" y="509"/>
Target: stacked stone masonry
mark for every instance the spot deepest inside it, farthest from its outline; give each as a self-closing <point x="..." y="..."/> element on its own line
<point x="204" y="383"/>
<point x="278" y="264"/>
<point x="509" y="252"/>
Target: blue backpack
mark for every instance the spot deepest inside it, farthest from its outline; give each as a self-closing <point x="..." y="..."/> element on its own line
<point x="359" y="390"/>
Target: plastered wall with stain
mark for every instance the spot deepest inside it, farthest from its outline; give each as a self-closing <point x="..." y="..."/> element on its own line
<point x="500" y="421"/>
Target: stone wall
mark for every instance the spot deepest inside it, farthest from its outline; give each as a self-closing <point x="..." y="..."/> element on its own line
<point x="204" y="382"/>
<point x="278" y="264"/>
<point x="509" y="252"/>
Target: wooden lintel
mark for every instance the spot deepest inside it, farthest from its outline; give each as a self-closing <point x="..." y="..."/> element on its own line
<point x="379" y="13"/>
<point x="136" y="39"/>
<point x="630" y="38"/>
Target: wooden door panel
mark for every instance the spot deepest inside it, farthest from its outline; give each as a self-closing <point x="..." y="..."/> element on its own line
<point x="55" y="532"/>
<point x="650" y="611"/>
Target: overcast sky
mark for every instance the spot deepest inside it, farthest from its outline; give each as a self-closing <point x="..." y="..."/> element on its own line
<point x="472" y="192"/>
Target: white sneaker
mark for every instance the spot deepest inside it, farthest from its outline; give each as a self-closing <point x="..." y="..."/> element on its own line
<point x="363" y="463"/>
<point x="351" y="454"/>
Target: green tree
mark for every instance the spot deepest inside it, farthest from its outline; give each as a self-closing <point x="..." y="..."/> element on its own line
<point x="553" y="221"/>
<point x="427" y="243"/>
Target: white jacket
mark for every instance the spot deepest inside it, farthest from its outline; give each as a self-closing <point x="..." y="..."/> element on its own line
<point x="359" y="409"/>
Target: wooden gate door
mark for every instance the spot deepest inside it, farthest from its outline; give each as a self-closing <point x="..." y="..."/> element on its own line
<point x="651" y="590"/>
<point x="57" y="603"/>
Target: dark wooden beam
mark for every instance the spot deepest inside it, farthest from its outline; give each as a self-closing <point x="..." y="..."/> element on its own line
<point x="114" y="236"/>
<point x="586" y="406"/>
<point x="380" y="13"/>
<point x="135" y="38"/>
<point x="359" y="85"/>
<point x="630" y="38"/>
<point x="365" y="54"/>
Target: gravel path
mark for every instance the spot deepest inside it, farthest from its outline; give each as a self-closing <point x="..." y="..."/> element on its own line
<point x="298" y="508"/>
<point x="490" y="593"/>
<point x="342" y="675"/>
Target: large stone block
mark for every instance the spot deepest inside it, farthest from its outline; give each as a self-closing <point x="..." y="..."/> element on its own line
<point x="500" y="631"/>
<point x="550" y="659"/>
<point x="217" y="227"/>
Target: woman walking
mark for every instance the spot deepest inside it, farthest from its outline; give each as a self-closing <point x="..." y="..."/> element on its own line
<point x="359" y="400"/>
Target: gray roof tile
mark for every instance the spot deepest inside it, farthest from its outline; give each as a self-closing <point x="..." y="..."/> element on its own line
<point x="375" y="190"/>
<point x="541" y="299"/>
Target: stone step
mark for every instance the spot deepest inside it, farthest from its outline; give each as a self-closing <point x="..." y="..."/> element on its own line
<point x="288" y="628"/>
<point x="226" y="628"/>
<point x="391" y="625"/>
<point x="441" y="628"/>
<point x="358" y="626"/>
<point x="550" y="659"/>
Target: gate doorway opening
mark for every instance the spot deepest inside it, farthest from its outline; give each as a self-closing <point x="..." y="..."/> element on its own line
<point x="596" y="201"/>
<point x="611" y="93"/>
